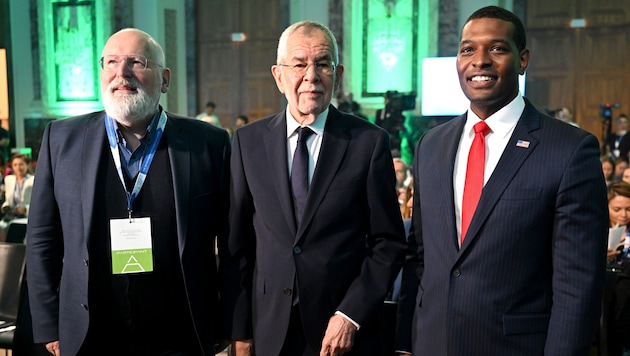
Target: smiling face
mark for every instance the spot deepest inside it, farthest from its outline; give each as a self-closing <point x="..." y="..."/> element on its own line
<point x="489" y="63"/>
<point x="130" y="95"/>
<point x="310" y="93"/>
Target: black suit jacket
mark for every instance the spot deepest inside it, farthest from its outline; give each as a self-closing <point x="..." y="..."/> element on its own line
<point x="343" y="256"/>
<point x="528" y="278"/>
<point x="60" y="222"/>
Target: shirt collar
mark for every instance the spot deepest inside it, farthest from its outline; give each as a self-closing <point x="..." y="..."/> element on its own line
<point x="317" y="126"/>
<point x="501" y="122"/>
<point x="148" y="136"/>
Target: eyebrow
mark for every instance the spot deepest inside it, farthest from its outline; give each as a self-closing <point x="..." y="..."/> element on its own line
<point x="327" y="57"/>
<point x="494" y="40"/>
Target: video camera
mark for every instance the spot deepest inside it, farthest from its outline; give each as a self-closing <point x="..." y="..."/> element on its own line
<point x="401" y="101"/>
<point x="607" y="109"/>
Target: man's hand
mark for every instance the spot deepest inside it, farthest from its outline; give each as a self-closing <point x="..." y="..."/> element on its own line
<point x="339" y="337"/>
<point x="53" y="347"/>
<point x="242" y="348"/>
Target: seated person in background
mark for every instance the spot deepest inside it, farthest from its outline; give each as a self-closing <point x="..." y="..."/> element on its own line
<point x="612" y="144"/>
<point x="620" y="165"/>
<point x="240" y="121"/>
<point x="18" y="188"/>
<point x="208" y="115"/>
<point x="402" y="176"/>
<point x="625" y="175"/>
<point x="608" y="167"/>
<point x="618" y="212"/>
<point x="566" y="114"/>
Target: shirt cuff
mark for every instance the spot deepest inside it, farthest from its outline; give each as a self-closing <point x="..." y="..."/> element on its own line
<point x="348" y="318"/>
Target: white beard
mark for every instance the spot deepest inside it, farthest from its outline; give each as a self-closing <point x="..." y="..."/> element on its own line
<point x="130" y="108"/>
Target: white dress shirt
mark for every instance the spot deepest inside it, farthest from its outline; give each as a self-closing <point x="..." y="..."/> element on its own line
<point x="502" y="124"/>
<point x="313" y="143"/>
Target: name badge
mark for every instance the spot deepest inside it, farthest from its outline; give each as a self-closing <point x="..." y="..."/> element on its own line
<point x="132" y="250"/>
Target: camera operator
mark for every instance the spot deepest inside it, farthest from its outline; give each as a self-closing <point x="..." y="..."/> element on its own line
<point x="614" y="143"/>
<point x="391" y="118"/>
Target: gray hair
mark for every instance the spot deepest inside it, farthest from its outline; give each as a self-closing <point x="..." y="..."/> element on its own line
<point x="308" y="26"/>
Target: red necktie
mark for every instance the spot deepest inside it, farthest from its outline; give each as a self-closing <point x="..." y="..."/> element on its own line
<point x="474" y="175"/>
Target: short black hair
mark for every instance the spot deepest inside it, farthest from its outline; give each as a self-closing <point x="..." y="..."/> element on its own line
<point x="211" y="104"/>
<point x="496" y="12"/>
<point x="244" y="118"/>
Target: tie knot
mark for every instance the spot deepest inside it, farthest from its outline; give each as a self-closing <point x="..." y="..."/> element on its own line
<point x="481" y="127"/>
<point x="303" y="133"/>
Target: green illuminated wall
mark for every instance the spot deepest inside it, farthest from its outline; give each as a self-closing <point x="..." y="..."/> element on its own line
<point x="71" y="35"/>
<point x="388" y="40"/>
<point x="390" y="56"/>
<point x="412" y="28"/>
<point x="75" y="50"/>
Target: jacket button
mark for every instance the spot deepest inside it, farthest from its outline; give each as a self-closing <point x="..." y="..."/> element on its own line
<point x="287" y="291"/>
<point x="86" y="262"/>
<point x="297" y="250"/>
<point x="457" y="272"/>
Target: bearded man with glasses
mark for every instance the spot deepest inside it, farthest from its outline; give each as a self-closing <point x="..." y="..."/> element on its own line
<point x="126" y="206"/>
<point x="310" y="260"/>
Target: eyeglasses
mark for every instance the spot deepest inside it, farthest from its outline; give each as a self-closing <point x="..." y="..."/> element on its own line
<point x="321" y="67"/>
<point x="111" y="63"/>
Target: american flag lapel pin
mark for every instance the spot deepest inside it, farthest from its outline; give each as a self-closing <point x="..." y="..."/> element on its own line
<point x="522" y="144"/>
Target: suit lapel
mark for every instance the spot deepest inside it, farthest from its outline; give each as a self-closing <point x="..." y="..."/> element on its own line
<point x="451" y="138"/>
<point x="94" y="141"/>
<point x="179" y="157"/>
<point x="275" y="146"/>
<point x="334" y="145"/>
<point x="510" y="162"/>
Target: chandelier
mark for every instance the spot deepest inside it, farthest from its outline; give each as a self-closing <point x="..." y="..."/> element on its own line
<point x="388" y="42"/>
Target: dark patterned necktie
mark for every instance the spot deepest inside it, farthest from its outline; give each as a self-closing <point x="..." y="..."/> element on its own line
<point x="299" y="173"/>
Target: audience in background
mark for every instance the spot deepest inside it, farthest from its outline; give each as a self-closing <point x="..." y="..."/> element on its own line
<point x="620" y="165"/>
<point x="566" y="114"/>
<point x="608" y="167"/>
<point x="613" y="144"/>
<point x="18" y="187"/>
<point x="209" y="116"/>
<point x="241" y="121"/>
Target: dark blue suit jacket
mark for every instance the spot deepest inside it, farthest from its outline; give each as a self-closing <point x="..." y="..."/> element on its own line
<point x="528" y="278"/>
<point x="344" y="255"/>
<point x="60" y="222"/>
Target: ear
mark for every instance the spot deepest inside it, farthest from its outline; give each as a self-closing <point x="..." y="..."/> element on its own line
<point x="276" y="71"/>
<point x="524" y="56"/>
<point x="338" y="76"/>
<point x="166" y="79"/>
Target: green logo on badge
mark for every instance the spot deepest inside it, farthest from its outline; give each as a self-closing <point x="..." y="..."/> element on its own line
<point x="132" y="261"/>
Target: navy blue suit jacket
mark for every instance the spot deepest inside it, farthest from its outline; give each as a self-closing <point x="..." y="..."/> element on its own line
<point x="345" y="253"/>
<point x="528" y="278"/>
<point x="60" y="222"/>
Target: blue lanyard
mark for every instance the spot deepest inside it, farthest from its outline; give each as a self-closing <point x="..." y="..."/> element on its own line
<point x="146" y="160"/>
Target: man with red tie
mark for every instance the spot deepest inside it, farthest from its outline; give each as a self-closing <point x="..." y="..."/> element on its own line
<point x="508" y="239"/>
